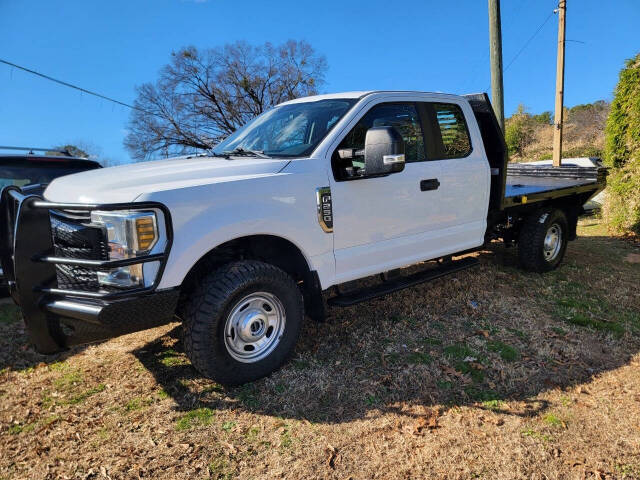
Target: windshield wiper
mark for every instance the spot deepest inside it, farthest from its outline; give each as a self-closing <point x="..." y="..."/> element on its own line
<point x="246" y="152"/>
<point x="221" y="155"/>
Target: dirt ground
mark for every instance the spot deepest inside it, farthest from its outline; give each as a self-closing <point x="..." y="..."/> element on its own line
<point x="491" y="373"/>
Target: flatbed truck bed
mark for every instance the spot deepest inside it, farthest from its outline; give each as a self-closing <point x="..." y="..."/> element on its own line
<point x="537" y="181"/>
<point x="520" y="188"/>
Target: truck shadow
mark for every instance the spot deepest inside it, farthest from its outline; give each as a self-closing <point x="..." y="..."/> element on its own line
<point x="480" y="337"/>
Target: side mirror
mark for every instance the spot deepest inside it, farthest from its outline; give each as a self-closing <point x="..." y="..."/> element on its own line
<point x="383" y="151"/>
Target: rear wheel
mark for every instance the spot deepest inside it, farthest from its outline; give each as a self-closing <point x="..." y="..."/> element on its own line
<point x="543" y="240"/>
<point x="242" y="322"/>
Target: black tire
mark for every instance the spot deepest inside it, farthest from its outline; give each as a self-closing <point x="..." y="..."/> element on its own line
<point x="211" y="304"/>
<point x="531" y="243"/>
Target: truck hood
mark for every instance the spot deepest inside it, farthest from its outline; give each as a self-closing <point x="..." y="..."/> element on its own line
<point x="125" y="183"/>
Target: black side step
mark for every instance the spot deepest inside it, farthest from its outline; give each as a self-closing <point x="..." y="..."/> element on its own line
<point x="390" y="286"/>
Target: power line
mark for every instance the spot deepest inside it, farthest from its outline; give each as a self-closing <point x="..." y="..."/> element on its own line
<point x="507" y="29"/>
<point x="76" y="87"/>
<point x="526" y="44"/>
<point x="529" y="41"/>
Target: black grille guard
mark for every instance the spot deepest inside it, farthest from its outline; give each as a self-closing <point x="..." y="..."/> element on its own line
<point x="28" y="262"/>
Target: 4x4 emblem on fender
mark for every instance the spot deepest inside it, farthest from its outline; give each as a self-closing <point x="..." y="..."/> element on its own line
<point x="325" y="210"/>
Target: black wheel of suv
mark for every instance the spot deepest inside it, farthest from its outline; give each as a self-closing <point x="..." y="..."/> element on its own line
<point x="242" y="322"/>
<point x="543" y="240"/>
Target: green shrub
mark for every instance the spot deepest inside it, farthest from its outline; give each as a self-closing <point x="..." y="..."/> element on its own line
<point x="543" y="118"/>
<point x="518" y="131"/>
<point x="622" y="152"/>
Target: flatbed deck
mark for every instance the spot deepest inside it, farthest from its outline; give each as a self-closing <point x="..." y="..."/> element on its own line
<point x="521" y="185"/>
<point x="532" y="182"/>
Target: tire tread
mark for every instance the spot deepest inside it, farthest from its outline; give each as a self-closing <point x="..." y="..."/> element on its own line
<point x="531" y="240"/>
<point x="208" y="302"/>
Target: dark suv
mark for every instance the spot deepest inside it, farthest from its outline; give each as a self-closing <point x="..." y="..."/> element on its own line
<point x="33" y="172"/>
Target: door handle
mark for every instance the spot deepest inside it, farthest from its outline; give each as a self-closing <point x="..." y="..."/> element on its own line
<point x="430" y="184"/>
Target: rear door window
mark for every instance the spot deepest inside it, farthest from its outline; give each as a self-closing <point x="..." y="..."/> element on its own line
<point x="448" y="130"/>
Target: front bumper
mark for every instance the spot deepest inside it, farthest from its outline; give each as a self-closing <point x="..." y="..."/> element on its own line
<point x="57" y="318"/>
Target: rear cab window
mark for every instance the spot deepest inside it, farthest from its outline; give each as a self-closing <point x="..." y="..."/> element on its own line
<point x="446" y="131"/>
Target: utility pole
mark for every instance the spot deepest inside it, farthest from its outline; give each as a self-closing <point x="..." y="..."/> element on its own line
<point x="495" y="46"/>
<point x="558" y="119"/>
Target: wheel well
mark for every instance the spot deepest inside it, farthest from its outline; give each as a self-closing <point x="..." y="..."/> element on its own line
<point x="270" y="249"/>
<point x="572" y="207"/>
<point x="508" y="227"/>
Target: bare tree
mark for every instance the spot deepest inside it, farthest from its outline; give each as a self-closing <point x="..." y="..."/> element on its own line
<point x="69" y="149"/>
<point x="202" y="96"/>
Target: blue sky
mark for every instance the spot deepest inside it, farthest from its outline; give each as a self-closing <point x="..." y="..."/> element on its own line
<point x="112" y="46"/>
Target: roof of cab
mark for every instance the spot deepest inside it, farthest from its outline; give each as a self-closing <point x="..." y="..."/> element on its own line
<point x="360" y="94"/>
<point x="328" y="96"/>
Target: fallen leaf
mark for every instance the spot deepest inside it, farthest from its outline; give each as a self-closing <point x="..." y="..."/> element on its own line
<point x="600" y="474"/>
<point x="419" y="425"/>
<point x="495" y="419"/>
<point x="331" y="452"/>
<point x="231" y="448"/>
<point x="384" y="362"/>
<point x="632" y="258"/>
<point x="576" y="463"/>
<point x="428" y="422"/>
<point x="452" y="371"/>
<point x="484" y="333"/>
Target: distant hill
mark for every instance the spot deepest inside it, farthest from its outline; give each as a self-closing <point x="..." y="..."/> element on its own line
<point x="530" y="136"/>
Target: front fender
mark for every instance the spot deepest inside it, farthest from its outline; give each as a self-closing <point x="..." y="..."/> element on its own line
<point x="281" y="205"/>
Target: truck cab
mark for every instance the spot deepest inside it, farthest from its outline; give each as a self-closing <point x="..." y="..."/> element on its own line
<point x="243" y="241"/>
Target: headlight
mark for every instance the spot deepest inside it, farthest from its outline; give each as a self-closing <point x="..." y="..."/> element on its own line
<point x="131" y="234"/>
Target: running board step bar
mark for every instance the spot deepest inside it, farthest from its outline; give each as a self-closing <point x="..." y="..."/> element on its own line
<point x="390" y="286"/>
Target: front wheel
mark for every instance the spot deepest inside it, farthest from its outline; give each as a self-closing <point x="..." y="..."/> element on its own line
<point x="242" y="322"/>
<point x="543" y="240"/>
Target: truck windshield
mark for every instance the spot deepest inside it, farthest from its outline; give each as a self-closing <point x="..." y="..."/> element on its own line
<point x="292" y="130"/>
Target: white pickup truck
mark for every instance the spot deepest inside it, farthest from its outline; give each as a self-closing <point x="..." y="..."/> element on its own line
<point x="240" y="243"/>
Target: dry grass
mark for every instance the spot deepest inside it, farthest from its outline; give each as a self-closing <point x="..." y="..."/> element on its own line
<point x="583" y="135"/>
<point x="492" y="373"/>
<point x="577" y="142"/>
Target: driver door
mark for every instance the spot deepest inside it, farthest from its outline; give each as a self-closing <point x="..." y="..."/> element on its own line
<point x="381" y="223"/>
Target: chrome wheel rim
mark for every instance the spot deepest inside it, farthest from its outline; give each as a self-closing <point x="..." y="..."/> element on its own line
<point x="254" y="327"/>
<point x="552" y="242"/>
